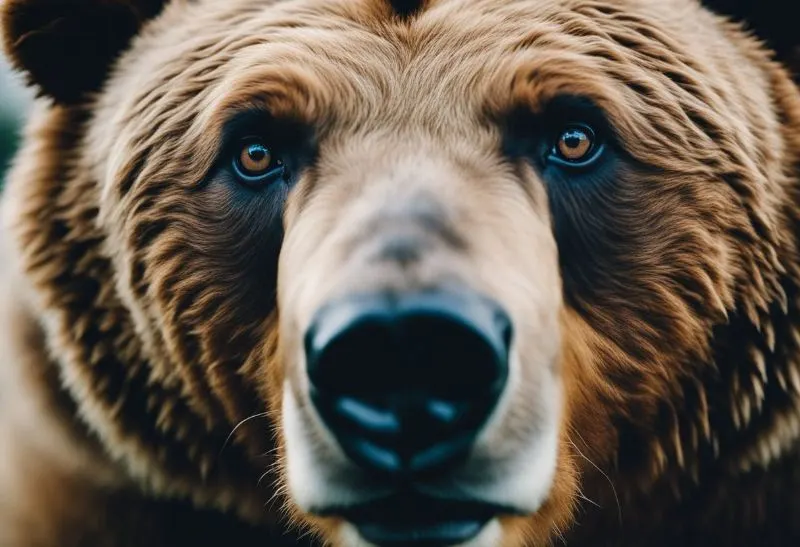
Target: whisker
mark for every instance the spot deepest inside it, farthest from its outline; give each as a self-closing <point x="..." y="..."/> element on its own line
<point x="586" y="498"/>
<point x="259" y="415"/>
<point x="271" y="452"/>
<point x="613" y="488"/>
<point x="261" y="478"/>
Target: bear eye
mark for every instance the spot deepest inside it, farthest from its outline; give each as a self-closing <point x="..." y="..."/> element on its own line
<point x="255" y="163"/>
<point x="576" y="145"/>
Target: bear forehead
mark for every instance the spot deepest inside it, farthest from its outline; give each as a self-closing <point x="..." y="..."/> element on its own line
<point x="357" y="58"/>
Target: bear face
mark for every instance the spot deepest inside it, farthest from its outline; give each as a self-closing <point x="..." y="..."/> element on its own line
<point x="585" y="214"/>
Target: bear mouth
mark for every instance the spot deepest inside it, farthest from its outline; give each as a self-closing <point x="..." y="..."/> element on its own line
<point x="415" y="520"/>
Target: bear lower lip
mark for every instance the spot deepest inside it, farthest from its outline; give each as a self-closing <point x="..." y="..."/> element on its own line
<point x="415" y="520"/>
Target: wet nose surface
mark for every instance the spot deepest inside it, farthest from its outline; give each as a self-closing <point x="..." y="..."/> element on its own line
<point x="406" y="382"/>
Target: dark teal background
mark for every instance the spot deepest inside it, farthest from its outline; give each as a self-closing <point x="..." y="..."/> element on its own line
<point x="13" y="105"/>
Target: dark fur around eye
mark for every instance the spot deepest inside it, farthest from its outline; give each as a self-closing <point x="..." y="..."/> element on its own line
<point x="584" y="198"/>
<point x="533" y="136"/>
<point x="241" y="224"/>
<point x="289" y="142"/>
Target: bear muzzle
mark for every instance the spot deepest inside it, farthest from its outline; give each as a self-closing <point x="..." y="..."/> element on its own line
<point x="405" y="382"/>
<point x="422" y="396"/>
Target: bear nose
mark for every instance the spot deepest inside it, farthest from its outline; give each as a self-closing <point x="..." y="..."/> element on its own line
<point x="406" y="382"/>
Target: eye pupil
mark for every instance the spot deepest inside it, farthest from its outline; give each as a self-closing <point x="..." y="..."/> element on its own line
<point x="573" y="139"/>
<point x="575" y="144"/>
<point x="257" y="152"/>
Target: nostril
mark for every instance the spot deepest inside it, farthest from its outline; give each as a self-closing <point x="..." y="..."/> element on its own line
<point x="457" y="358"/>
<point x="414" y="375"/>
<point x="341" y="356"/>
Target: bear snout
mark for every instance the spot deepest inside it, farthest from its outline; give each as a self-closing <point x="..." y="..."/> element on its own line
<point x="417" y="381"/>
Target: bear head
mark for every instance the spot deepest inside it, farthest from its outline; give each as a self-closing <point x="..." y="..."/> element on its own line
<point x="413" y="272"/>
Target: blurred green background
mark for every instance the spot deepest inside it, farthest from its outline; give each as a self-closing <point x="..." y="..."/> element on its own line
<point x="14" y="100"/>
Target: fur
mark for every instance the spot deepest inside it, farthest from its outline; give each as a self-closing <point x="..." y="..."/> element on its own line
<point x="143" y="355"/>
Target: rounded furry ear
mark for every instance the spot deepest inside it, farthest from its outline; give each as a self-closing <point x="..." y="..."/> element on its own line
<point x="67" y="46"/>
<point x="771" y="20"/>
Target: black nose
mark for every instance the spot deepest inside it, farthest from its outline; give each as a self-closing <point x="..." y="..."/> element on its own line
<point x="406" y="382"/>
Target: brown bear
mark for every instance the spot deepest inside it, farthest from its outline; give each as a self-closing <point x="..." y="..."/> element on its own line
<point x="419" y="274"/>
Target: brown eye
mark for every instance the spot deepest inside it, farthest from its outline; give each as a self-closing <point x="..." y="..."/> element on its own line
<point x="255" y="163"/>
<point x="575" y="145"/>
<point x="255" y="158"/>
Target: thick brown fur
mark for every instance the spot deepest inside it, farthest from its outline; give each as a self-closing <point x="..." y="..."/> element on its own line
<point x="142" y="355"/>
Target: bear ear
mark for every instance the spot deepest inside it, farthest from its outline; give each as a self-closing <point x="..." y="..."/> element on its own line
<point x="771" y="20"/>
<point x="67" y="46"/>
